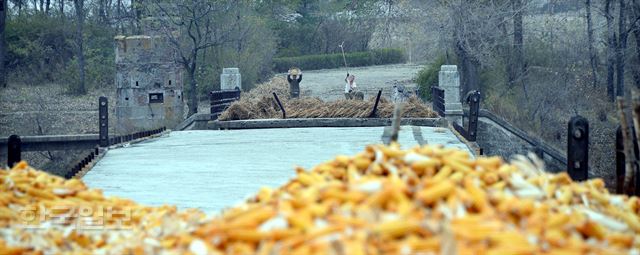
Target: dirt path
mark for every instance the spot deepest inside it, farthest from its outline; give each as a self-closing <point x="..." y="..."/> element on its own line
<point x="328" y="84"/>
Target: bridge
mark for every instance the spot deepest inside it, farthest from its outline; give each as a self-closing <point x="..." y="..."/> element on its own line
<point x="214" y="169"/>
<point x="210" y="164"/>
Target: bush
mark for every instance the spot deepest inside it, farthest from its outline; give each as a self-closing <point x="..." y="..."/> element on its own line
<point x="428" y="77"/>
<point x="367" y="58"/>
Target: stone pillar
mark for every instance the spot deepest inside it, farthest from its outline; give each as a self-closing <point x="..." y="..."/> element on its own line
<point x="230" y="78"/>
<point x="449" y="80"/>
<point x="148" y="84"/>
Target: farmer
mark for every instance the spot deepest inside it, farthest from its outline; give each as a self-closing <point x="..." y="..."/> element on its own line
<point x="349" y="86"/>
<point x="294" y="77"/>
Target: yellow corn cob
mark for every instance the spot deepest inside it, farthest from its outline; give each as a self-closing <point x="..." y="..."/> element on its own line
<point x="396" y="228"/>
<point x="435" y="193"/>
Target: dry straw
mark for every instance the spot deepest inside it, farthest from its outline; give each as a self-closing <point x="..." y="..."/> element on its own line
<point x="260" y="104"/>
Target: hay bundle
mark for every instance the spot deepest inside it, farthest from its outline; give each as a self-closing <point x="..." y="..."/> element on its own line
<point x="260" y="104"/>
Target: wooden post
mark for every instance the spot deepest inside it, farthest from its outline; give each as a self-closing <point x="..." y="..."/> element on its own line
<point x="374" y="112"/>
<point x="284" y="113"/>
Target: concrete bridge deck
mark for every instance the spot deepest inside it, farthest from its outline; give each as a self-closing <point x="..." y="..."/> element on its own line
<point x="212" y="170"/>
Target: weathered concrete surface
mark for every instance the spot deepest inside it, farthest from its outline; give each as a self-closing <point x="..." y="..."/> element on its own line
<point x="497" y="137"/>
<point x="212" y="170"/>
<point x="321" y="122"/>
<point x="148" y="83"/>
<point x="328" y="84"/>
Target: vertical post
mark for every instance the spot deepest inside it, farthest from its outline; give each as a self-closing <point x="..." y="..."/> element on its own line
<point x="103" y="113"/>
<point x="578" y="148"/>
<point x="449" y="81"/>
<point x="14" y="150"/>
<point x="474" y="111"/>
<point x="374" y="112"/>
<point x="620" y="161"/>
<point x="284" y="114"/>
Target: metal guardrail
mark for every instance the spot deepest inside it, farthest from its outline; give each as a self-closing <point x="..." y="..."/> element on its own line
<point x="15" y="144"/>
<point x="437" y="98"/>
<point x="539" y="146"/>
<point x="471" y="131"/>
<point x="221" y="100"/>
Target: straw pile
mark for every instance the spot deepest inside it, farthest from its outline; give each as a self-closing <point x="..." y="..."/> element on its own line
<point x="384" y="200"/>
<point x="260" y="104"/>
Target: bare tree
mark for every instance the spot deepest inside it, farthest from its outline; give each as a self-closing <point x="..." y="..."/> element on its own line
<point x="79" y="8"/>
<point x="191" y="17"/>
<point x="3" y="18"/>
<point x="479" y="31"/>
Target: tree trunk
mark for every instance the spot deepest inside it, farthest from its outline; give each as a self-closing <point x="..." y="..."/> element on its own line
<point x="622" y="46"/>
<point x="47" y="7"/>
<point x="119" y="8"/>
<point x="3" y="19"/>
<point x="18" y="5"/>
<point x="469" y="70"/>
<point x="137" y="9"/>
<point x="611" y="51"/>
<point x="101" y="12"/>
<point x="61" y="5"/>
<point x="592" y="51"/>
<point x="193" y="90"/>
<point x="79" y="6"/>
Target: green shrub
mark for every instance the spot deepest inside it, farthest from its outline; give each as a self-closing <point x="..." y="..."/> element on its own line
<point x="428" y="77"/>
<point x="367" y="58"/>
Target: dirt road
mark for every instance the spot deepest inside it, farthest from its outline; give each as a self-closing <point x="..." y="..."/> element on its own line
<point x="328" y="84"/>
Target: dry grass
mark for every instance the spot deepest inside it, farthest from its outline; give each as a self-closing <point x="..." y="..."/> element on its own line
<point x="260" y="104"/>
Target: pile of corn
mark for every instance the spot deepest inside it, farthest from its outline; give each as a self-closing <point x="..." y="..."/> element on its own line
<point x="425" y="200"/>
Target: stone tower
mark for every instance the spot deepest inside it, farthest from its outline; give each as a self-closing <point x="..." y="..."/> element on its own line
<point x="148" y="82"/>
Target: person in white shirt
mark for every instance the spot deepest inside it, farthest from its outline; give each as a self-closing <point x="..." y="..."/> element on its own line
<point x="350" y="86"/>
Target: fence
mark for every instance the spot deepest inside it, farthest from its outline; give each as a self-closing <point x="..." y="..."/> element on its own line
<point x="437" y="97"/>
<point x="221" y="100"/>
<point x="15" y="144"/>
<point x="471" y="131"/>
<point x="577" y="145"/>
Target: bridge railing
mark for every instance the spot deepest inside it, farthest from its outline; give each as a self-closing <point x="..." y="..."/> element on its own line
<point x="221" y="100"/>
<point x="14" y="145"/>
<point x="437" y="98"/>
<point x="471" y="131"/>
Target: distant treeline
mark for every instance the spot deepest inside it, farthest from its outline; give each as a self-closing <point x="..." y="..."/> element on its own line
<point x="327" y="61"/>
